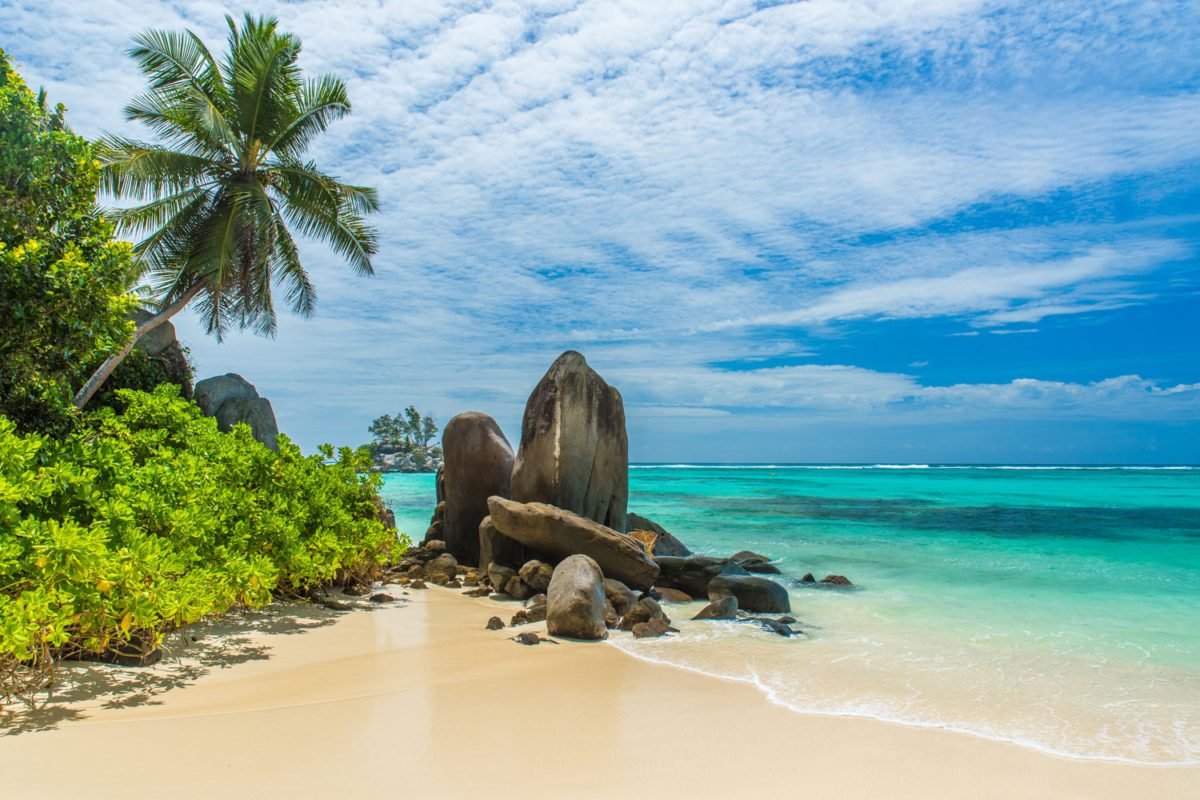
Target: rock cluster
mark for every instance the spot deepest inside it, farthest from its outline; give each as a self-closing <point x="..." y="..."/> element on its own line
<point x="549" y="525"/>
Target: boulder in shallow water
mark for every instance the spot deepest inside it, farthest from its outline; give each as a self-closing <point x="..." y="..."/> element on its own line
<point x="574" y="448"/>
<point x="754" y="562"/>
<point x="651" y="628"/>
<point x="836" y="580"/>
<point x="669" y="595"/>
<point x="692" y="574"/>
<point x="557" y="533"/>
<point x="477" y="463"/>
<point x="721" y="608"/>
<point x="752" y="592"/>
<point x="575" y="600"/>
<point x="808" y="578"/>
<point x="645" y="610"/>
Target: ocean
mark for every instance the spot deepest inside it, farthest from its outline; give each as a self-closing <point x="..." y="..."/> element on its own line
<point x="1056" y="608"/>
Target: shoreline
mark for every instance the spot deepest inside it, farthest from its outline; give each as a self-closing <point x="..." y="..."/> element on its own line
<point x="322" y="702"/>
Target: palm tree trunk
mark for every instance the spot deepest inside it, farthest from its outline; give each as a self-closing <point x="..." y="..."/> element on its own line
<point x="101" y="374"/>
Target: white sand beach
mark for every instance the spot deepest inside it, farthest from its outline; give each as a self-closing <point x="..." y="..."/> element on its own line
<point x="417" y="699"/>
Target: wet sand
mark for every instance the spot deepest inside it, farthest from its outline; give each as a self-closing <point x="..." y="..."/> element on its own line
<point x="417" y="699"/>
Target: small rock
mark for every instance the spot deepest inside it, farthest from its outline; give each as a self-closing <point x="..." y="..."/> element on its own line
<point x="527" y="638"/>
<point x="535" y="601"/>
<point x="382" y="597"/>
<point x="518" y="589"/>
<point x="772" y="625"/>
<point x="435" y="546"/>
<point x="652" y="628"/>
<point x="536" y="575"/>
<point x="356" y="589"/>
<point x="499" y="575"/>
<point x="721" y="608"/>
<point x="417" y="584"/>
<point x="645" y="610"/>
<point x="620" y="596"/>
<point x="836" y="580"/>
<point x="333" y="605"/>
<point x="495" y="624"/>
<point x="808" y="578"/>
<point x="482" y="591"/>
<point x="529" y="615"/>
<point x="786" y="620"/>
<point x="611" y="618"/>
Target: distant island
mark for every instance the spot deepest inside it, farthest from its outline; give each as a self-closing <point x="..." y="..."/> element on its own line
<point x="402" y="443"/>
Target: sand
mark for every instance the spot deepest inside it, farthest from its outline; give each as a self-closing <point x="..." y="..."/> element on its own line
<point x="418" y="700"/>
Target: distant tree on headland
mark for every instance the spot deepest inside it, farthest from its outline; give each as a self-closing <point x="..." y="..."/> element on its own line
<point x="227" y="178"/>
<point x="402" y="442"/>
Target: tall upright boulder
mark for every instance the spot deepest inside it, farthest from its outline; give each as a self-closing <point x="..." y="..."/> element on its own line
<point x="574" y="451"/>
<point x="478" y="463"/>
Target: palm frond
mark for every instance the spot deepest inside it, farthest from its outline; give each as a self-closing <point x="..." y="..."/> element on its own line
<point x="319" y="102"/>
<point x="131" y="168"/>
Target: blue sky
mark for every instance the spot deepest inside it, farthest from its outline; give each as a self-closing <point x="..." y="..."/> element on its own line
<point x="817" y="231"/>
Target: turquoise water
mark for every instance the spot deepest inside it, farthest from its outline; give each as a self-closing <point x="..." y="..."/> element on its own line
<point x="1056" y="608"/>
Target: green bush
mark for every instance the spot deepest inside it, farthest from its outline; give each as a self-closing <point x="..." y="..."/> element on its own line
<point x="144" y="521"/>
<point x="64" y="303"/>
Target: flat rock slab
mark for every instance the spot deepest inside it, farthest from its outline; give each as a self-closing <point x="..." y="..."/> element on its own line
<point x="558" y="533"/>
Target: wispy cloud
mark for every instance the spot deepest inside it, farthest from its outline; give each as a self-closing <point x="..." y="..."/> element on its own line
<point x="668" y="186"/>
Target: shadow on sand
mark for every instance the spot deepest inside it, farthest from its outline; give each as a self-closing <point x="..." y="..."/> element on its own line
<point x="188" y="654"/>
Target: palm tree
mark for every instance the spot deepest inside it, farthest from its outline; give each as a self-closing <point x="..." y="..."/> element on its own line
<point x="228" y="177"/>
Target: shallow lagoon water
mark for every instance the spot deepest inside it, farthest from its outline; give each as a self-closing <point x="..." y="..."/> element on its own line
<point x="1054" y="607"/>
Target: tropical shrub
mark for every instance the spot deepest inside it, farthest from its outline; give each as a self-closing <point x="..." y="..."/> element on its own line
<point x="144" y="521"/>
<point x="63" y="277"/>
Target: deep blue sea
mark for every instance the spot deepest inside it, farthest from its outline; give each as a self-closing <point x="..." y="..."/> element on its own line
<point x="1058" y="608"/>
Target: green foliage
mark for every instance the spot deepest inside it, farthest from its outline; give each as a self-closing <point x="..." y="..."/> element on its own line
<point x="63" y="278"/>
<point x="147" y="520"/>
<point x="228" y="175"/>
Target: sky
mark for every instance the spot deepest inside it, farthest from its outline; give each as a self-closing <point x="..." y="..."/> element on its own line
<point x="905" y="231"/>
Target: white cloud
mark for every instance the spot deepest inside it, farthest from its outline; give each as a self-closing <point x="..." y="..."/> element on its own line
<point x="667" y="185"/>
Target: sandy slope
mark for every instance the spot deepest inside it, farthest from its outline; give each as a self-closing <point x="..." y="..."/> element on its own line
<point x="417" y="700"/>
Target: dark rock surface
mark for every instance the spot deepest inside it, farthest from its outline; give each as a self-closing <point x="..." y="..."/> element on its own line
<point x="666" y="544"/>
<point x="754" y="562"/>
<point x="477" y="463"/>
<point x="620" y="596"/>
<point x="557" y="534"/>
<point x="574" y="448"/>
<point x="692" y="574"/>
<point x="496" y="548"/>
<point x="752" y="592"/>
<point x="536" y="575"/>
<point x="495" y="624"/>
<point x="721" y="608"/>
